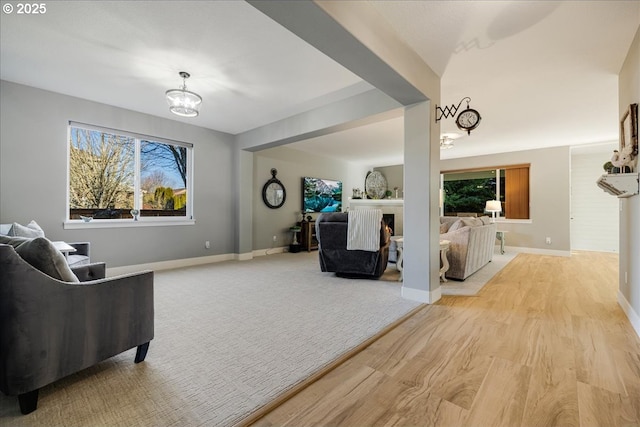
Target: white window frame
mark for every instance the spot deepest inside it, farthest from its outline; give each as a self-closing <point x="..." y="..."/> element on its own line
<point x="146" y="221"/>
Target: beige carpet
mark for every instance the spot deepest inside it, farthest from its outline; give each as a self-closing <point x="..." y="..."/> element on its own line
<point x="229" y="338"/>
<point x="472" y="284"/>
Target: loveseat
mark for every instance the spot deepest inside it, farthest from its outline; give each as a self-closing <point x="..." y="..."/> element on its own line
<point x="472" y="244"/>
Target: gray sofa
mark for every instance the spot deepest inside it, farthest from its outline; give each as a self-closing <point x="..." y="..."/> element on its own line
<point x="81" y="256"/>
<point x="331" y="231"/>
<point x="472" y="244"/>
<point x="56" y="321"/>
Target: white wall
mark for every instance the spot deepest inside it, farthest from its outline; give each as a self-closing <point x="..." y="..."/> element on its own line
<point x="33" y="177"/>
<point x="594" y="213"/>
<point x="629" y="92"/>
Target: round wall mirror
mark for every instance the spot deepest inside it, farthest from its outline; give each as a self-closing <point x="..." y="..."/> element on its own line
<point x="273" y="192"/>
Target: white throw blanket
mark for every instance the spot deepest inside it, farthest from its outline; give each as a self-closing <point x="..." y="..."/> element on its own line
<point x="363" y="230"/>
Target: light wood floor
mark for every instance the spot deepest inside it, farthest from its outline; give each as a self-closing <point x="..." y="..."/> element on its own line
<point x="544" y="343"/>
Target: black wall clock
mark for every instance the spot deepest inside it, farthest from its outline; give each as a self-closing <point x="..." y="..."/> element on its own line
<point x="468" y="120"/>
<point x="273" y="192"/>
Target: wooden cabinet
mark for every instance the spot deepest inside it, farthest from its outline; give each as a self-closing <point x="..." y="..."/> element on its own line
<point x="308" y="238"/>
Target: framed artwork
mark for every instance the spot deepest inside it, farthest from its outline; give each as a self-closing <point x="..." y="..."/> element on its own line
<point x="629" y="129"/>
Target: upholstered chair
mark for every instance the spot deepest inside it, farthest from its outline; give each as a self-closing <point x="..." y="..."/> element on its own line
<point x="331" y="231"/>
<point x="56" y="321"/>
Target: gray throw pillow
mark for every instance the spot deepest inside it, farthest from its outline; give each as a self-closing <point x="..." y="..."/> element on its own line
<point x="44" y="256"/>
<point x="13" y="241"/>
<point x="485" y="220"/>
<point x="30" y="230"/>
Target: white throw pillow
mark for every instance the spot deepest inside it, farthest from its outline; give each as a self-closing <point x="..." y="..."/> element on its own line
<point x="31" y="230"/>
<point x="455" y="226"/>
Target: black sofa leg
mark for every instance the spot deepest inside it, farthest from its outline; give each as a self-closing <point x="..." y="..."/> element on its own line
<point x="28" y="402"/>
<point x="141" y="353"/>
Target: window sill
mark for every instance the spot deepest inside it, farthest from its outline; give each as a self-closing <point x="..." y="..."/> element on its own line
<point x="513" y="221"/>
<point x="124" y="223"/>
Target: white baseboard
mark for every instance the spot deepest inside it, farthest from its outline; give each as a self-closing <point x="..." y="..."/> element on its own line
<point x="168" y="265"/>
<point x="630" y="312"/>
<point x="537" y="251"/>
<point x="428" y="297"/>
<point x="243" y="257"/>
<point x="188" y="262"/>
<point x="270" y="251"/>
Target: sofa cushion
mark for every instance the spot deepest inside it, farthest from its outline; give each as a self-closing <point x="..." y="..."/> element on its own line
<point x="43" y="255"/>
<point x="472" y="222"/>
<point x="444" y="227"/>
<point x="456" y="226"/>
<point x="30" y="230"/>
<point x="485" y="220"/>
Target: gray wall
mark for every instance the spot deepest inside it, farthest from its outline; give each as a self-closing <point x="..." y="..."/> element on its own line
<point x="292" y="165"/>
<point x="629" y="92"/>
<point x="33" y="177"/>
<point x="549" y="197"/>
<point x="549" y="194"/>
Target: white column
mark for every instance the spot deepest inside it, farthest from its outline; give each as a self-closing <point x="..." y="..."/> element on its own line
<point x="421" y="180"/>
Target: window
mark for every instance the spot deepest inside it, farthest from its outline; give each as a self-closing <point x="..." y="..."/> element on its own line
<point x="467" y="191"/>
<point x="117" y="175"/>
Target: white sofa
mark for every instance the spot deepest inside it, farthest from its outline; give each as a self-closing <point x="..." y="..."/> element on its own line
<point x="472" y="244"/>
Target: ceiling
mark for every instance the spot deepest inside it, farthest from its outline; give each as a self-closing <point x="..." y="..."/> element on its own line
<point x="541" y="74"/>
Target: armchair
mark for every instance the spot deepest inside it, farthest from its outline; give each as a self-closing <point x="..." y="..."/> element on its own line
<point x="50" y="328"/>
<point x="331" y="232"/>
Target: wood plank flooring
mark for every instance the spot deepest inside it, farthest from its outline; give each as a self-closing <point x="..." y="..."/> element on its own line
<point x="544" y="343"/>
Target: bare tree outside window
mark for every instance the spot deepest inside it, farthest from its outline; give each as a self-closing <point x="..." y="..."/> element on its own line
<point x="101" y="170"/>
<point x="164" y="167"/>
<point x="104" y="173"/>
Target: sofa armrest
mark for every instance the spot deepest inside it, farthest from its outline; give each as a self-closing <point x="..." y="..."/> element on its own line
<point x="92" y="321"/>
<point x="88" y="272"/>
<point x="82" y="248"/>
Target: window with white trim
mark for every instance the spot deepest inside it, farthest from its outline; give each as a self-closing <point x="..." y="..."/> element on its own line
<point x="118" y="175"/>
<point x="467" y="191"/>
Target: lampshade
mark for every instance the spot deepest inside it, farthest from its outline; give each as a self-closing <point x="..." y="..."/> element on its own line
<point x="493" y="206"/>
<point x="183" y="102"/>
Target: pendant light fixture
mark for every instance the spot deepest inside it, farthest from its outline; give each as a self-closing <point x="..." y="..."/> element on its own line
<point x="183" y="102"/>
<point x="446" y="142"/>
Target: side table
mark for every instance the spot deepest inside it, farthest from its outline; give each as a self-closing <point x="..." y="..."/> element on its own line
<point x="399" y="242"/>
<point x="500" y="235"/>
<point x="64" y="247"/>
<point x="444" y="248"/>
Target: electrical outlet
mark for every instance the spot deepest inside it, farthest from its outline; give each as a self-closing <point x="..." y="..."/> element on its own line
<point x="548" y="240"/>
<point x="275" y="238"/>
<point x="207" y="245"/>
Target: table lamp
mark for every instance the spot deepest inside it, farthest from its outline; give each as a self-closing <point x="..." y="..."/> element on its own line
<point x="493" y="206"/>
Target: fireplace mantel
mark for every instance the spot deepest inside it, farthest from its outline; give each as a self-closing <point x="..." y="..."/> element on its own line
<point x="387" y="206"/>
<point x="376" y="202"/>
